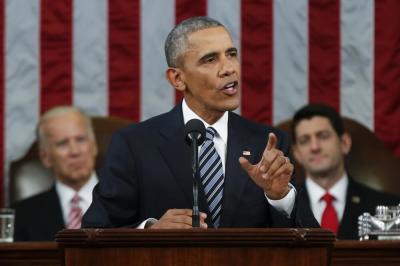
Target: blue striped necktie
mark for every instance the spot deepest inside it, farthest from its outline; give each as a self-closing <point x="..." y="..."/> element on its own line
<point x="212" y="176"/>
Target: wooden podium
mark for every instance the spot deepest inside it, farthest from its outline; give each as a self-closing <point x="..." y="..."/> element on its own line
<point x="30" y="254"/>
<point x="196" y="247"/>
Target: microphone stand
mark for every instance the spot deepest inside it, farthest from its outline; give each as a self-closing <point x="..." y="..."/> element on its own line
<point x="196" y="178"/>
<point x="195" y="133"/>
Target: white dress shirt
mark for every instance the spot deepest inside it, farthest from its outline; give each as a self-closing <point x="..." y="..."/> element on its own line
<point x="221" y="126"/>
<point x="338" y="191"/>
<point x="66" y="193"/>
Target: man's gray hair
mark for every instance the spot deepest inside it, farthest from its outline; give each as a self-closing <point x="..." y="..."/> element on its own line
<point x="177" y="40"/>
<point x="56" y="111"/>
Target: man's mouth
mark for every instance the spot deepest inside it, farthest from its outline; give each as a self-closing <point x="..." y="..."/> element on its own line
<point x="231" y="88"/>
<point x="317" y="159"/>
<point x="76" y="165"/>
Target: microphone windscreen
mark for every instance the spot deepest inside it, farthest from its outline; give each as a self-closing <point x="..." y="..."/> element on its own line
<point x="195" y="128"/>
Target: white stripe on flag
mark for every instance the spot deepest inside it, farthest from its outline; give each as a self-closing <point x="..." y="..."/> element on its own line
<point x="90" y="90"/>
<point x="22" y="75"/>
<point x="290" y="69"/>
<point x="157" y="19"/>
<point x="357" y="49"/>
<point x="21" y="78"/>
<point x="228" y="13"/>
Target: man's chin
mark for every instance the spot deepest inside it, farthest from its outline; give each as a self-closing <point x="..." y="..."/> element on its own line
<point x="321" y="173"/>
<point x="231" y="109"/>
<point x="232" y="106"/>
<point x="79" y="177"/>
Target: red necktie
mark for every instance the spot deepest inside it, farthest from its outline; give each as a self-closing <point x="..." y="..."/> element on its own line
<point x="75" y="214"/>
<point x="329" y="216"/>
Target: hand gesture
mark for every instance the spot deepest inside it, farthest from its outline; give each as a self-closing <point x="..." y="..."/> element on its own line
<point x="273" y="172"/>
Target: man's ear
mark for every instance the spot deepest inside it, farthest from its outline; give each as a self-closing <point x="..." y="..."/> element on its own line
<point x="346" y="143"/>
<point x="95" y="149"/>
<point x="174" y="76"/>
<point x="44" y="157"/>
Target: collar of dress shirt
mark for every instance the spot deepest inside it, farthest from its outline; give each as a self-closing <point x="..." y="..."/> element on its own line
<point x="221" y="126"/>
<point x="338" y="190"/>
<point x="65" y="193"/>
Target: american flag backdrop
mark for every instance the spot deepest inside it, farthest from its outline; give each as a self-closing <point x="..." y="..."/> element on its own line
<point x="106" y="56"/>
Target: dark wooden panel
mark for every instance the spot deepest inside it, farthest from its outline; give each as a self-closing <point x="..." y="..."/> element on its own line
<point x="29" y="254"/>
<point x="353" y="253"/>
<point x="233" y="247"/>
<point x="197" y="256"/>
<point x="294" y="247"/>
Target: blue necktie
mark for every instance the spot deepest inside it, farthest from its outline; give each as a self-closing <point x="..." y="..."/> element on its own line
<point x="212" y="176"/>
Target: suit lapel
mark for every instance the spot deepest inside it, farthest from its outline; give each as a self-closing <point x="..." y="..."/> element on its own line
<point x="235" y="177"/>
<point x="348" y="224"/>
<point x="304" y="191"/>
<point x="57" y="217"/>
<point x="177" y="156"/>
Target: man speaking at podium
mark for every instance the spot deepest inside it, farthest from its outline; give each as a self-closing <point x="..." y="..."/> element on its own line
<point x="146" y="181"/>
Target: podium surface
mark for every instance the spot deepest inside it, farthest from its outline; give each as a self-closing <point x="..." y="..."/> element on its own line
<point x="196" y="247"/>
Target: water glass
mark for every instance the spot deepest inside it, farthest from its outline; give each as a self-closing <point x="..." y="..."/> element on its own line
<point x="7" y="217"/>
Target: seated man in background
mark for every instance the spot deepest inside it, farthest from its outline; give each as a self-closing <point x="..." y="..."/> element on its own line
<point x="320" y="145"/>
<point x="67" y="146"/>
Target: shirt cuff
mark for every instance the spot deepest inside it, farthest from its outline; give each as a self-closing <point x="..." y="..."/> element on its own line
<point x="285" y="204"/>
<point x="147" y="223"/>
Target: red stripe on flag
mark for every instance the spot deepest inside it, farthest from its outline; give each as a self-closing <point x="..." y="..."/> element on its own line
<point x="124" y="58"/>
<point x="256" y="47"/>
<point x="2" y="95"/>
<point x="387" y="73"/>
<point x="324" y="52"/>
<point x="185" y="9"/>
<point x="55" y="53"/>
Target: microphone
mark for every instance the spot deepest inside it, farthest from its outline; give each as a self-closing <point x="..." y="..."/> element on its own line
<point x="195" y="132"/>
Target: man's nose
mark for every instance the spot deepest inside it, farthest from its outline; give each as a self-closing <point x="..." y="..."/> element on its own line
<point x="227" y="67"/>
<point x="314" y="144"/>
<point x="74" y="147"/>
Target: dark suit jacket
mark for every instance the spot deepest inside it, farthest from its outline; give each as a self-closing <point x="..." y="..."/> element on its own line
<point x="360" y="199"/>
<point x="148" y="171"/>
<point x="39" y="217"/>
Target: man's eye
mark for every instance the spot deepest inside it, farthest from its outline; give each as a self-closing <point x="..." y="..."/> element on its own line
<point x="303" y="141"/>
<point x="209" y="59"/>
<point x="324" y="135"/>
<point x="81" y="139"/>
<point x="61" y="143"/>
<point x="233" y="53"/>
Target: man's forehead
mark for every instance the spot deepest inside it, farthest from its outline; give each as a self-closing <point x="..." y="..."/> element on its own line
<point x="208" y="35"/>
<point x="66" y="118"/>
<point x="58" y="124"/>
<point x="213" y="46"/>
<point x="313" y="124"/>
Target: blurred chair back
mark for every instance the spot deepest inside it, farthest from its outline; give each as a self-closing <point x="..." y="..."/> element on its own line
<point x="369" y="161"/>
<point x="28" y="176"/>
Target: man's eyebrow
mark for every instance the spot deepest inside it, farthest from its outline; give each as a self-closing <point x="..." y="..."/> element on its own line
<point x="304" y="135"/>
<point x="232" y="49"/>
<point x="208" y="55"/>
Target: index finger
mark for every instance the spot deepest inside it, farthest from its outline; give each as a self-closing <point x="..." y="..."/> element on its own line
<point x="272" y="141"/>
